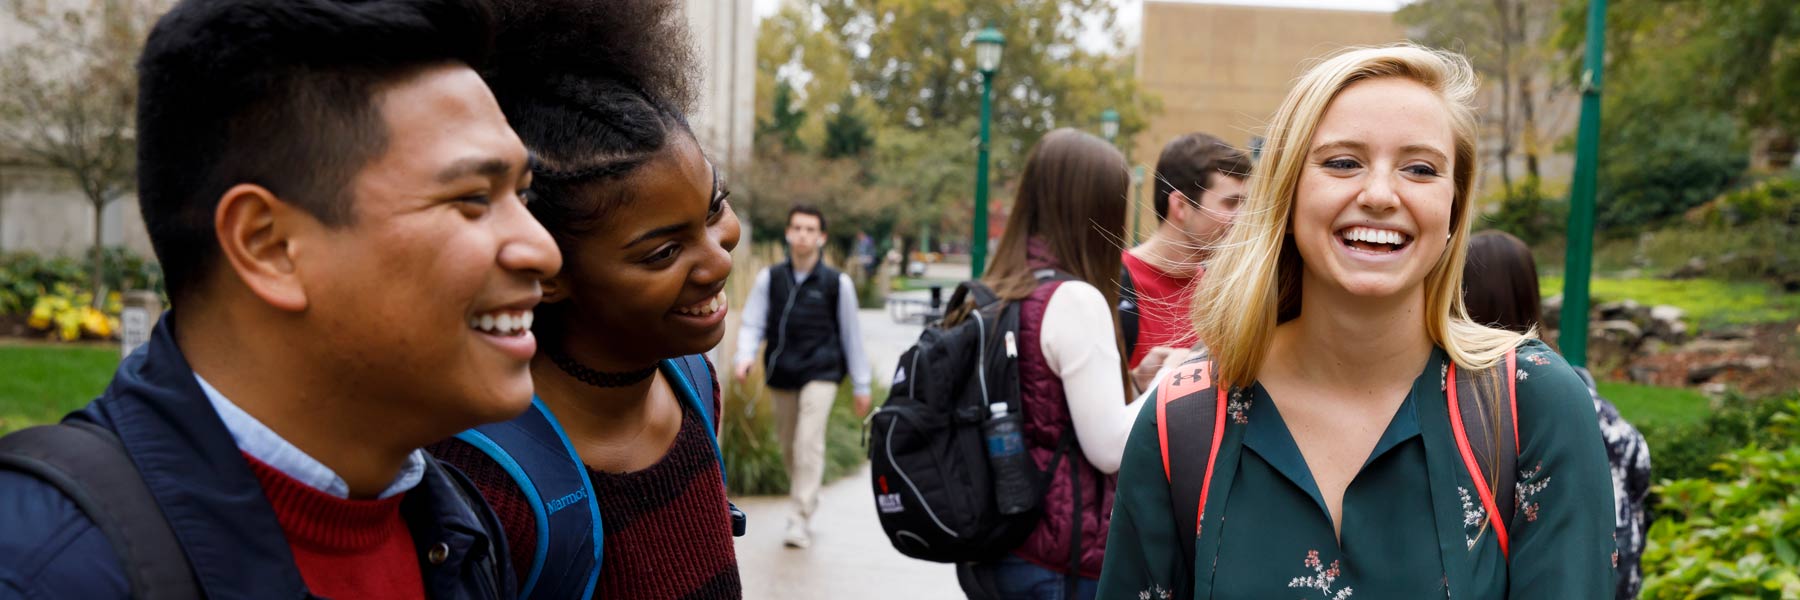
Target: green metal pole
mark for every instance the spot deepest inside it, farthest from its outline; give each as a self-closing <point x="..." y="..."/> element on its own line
<point x="1581" y="199"/>
<point x="978" y="247"/>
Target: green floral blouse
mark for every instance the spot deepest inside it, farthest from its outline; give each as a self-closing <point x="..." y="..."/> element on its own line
<point x="1412" y="526"/>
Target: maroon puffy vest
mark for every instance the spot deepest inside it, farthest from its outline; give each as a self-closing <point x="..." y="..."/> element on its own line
<point x="1046" y="417"/>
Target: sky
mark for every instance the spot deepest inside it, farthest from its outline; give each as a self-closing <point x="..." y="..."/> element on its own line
<point x="1130" y="11"/>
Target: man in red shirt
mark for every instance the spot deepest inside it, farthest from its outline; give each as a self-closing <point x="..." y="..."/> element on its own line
<point x="1200" y="180"/>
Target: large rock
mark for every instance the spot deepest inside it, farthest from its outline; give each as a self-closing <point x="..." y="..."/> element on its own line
<point x="1666" y="323"/>
<point x="1712" y="346"/>
<point x="1621" y="310"/>
<point x="1620" y="331"/>
<point x="1612" y="343"/>
<point x="1706" y="371"/>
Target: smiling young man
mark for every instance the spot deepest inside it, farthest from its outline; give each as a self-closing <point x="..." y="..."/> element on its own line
<point x="336" y="200"/>
<point x="807" y="312"/>
<point x="1199" y="183"/>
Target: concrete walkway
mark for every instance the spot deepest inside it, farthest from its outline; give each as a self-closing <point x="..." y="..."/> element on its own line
<point x="850" y="557"/>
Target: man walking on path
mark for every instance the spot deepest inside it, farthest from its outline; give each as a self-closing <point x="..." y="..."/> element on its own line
<point x="807" y="312"/>
<point x="1199" y="183"/>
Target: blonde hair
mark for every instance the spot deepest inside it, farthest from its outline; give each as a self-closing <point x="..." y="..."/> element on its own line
<point x="1253" y="283"/>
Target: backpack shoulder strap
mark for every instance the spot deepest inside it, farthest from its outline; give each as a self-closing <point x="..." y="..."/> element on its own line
<point x="1489" y="447"/>
<point x="89" y="466"/>
<point x="1190" y="423"/>
<point x="693" y="374"/>
<point x="534" y="451"/>
<point x="1128" y="311"/>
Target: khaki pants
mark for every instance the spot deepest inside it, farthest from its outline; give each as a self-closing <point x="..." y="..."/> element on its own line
<point x="800" y="417"/>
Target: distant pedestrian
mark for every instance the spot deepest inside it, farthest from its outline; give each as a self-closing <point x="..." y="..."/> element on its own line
<point x="807" y="313"/>
<point x="865" y="254"/>
<point x="1500" y="283"/>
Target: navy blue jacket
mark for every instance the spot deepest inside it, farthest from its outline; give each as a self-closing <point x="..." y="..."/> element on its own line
<point x="50" y="549"/>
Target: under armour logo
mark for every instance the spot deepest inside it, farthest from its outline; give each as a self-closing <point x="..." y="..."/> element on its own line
<point x="1197" y="375"/>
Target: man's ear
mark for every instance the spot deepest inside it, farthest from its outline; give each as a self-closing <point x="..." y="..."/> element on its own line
<point x="255" y="231"/>
<point x="1179" y="206"/>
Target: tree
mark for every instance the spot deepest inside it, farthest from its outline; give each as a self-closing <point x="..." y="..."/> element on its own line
<point x="846" y="133"/>
<point x="784" y="120"/>
<point x="910" y="68"/>
<point x="1507" y="42"/>
<point x="68" y="97"/>
<point x="1736" y="57"/>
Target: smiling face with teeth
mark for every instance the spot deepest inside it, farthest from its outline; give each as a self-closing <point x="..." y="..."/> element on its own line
<point x="1373" y="205"/>
<point x="649" y="282"/>
<point x="417" y="301"/>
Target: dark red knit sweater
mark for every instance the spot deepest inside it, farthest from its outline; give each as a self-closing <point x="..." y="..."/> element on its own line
<point x="344" y="548"/>
<point x="668" y="530"/>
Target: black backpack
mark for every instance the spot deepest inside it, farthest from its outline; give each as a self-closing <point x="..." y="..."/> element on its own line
<point x="934" y="492"/>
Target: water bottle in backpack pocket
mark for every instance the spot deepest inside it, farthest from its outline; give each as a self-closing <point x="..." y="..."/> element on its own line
<point x="1015" y="478"/>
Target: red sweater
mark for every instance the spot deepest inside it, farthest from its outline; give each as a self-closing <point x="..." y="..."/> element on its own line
<point x="1163" y="305"/>
<point x="344" y="548"/>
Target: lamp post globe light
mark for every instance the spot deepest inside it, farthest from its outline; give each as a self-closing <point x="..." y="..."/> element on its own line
<point x="1109" y="124"/>
<point x="988" y="44"/>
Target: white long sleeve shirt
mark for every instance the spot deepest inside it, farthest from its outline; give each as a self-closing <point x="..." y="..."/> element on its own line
<point x="1077" y="341"/>
<point x="756" y="324"/>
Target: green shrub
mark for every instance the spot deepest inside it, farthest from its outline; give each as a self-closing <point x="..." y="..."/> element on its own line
<point x="1736" y="535"/>
<point x="1691" y="450"/>
<point x="1527" y="212"/>
<point x="24" y="276"/>
<point x="1652" y="170"/>
<point x="753" y="454"/>
<point x="1772" y="200"/>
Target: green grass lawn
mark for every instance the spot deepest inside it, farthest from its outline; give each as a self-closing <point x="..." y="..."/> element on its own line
<point x="1708" y="302"/>
<point x="39" y="383"/>
<point x="1643" y="404"/>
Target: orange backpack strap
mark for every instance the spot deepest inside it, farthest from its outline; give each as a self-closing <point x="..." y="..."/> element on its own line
<point x="1190" y="404"/>
<point x="1488" y="450"/>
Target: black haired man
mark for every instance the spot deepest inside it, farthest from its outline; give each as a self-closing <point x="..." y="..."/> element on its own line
<point x="337" y="202"/>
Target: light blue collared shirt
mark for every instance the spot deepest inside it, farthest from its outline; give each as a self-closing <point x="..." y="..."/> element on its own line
<point x="257" y="440"/>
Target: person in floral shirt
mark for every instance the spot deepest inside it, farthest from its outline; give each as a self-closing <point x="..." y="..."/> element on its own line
<point x="1334" y="318"/>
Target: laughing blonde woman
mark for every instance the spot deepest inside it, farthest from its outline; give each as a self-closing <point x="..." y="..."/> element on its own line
<point x="1345" y="462"/>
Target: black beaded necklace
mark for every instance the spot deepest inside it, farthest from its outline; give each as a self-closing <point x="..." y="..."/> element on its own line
<point x="596" y="377"/>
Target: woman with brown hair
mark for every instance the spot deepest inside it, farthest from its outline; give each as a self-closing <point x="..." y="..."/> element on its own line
<point x="1500" y="286"/>
<point x="1059" y="259"/>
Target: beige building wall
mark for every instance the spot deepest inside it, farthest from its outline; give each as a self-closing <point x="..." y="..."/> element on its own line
<point x="725" y="36"/>
<point x="1222" y="69"/>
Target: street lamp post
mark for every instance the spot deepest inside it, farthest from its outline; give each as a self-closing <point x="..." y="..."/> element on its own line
<point x="1573" y="339"/>
<point x="1109" y="124"/>
<point x="988" y="43"/>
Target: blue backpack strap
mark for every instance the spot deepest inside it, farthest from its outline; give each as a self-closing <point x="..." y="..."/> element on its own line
<point x="535" y="452"/>
<point x="692" y="378"/>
